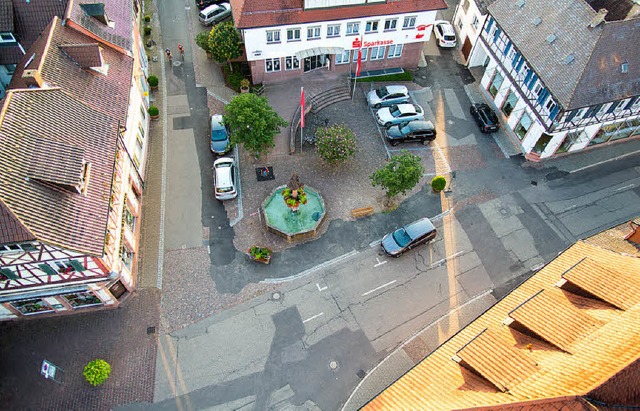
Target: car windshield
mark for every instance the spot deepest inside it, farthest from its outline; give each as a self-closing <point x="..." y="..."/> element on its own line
<point x="394" y="111"/>
<point x="449" y="38"/>
<point x="492" y="116"/>
<point x="381" y="92"/>
<point x="418" y="109"/>
<point x="218" y="134"/>
<point x="405" y="129"/>
<point x="401" y="237"/>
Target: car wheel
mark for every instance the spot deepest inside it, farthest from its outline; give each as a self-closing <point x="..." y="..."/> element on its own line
<point x="426" y="142"/>
<point x="377" y="106"/>
<point x="394" y="143"/>
<point x="387" y="124"/>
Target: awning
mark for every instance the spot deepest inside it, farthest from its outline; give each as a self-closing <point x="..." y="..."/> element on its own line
<point x="319" y="51"/>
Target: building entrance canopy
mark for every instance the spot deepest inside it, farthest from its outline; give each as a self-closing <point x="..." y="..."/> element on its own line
<point x="317" y="51"/>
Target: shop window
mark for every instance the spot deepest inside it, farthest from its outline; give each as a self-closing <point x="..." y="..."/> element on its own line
<point x="313" y="33"/>
<point x="273" y="36"/>
<point x="353" y="29"/>
<point x="371" y="26"/>
<point x="509" y="103"/>
<point x="570" y="139"/>
<point x="616" y="131"/>
<point x="291" y="63"/>
<point x="395" y="50"/>
<point x="82" y="299"/>
<point x="33" y="306"/>
<point x="542" y="143"/>
<point x="390" y="24"/>
<point x="377" y="53"/>
<point x="495" y="84"/>
<point x="409" y="22"/>
<point x="343" y="58"/>
<point x="523" y="126"/>
<point x="272" y="65"/>
<point x="333" y="30"/>
<point x="355" y="55"/>
<point x="293" y="34"/>
<point x="128" y="219"/>
<point x="126" y="256"/>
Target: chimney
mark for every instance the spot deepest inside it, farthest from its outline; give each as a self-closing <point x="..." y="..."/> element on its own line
<point x="32" y="78"/>
<point x="598" y="18"/>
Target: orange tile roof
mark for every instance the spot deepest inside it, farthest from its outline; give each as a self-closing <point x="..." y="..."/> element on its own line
<point x="613" y="239"/>
<point x="597" y="352"/>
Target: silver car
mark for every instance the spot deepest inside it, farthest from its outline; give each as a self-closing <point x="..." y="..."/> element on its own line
<point x="399" y="113"/>
<point x="405" y="238"/>
<point x="224" y="178"/>
<point x="386" y="96"/>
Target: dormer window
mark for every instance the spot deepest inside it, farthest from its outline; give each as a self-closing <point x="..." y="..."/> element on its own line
<point x="7" y="38"/>
<point x="97" y="11"/>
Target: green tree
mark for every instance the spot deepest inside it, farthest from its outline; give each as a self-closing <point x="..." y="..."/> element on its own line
<point x="96" y="372"/>
<point x="202" y="41"/>
<point x="400" y="174"/>
<point x="252" y="122"/>
<point x="224" y="43"/>
<point x="335" y="144"/>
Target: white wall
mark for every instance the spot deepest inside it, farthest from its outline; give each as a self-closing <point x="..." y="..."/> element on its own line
<point x="466" y="18"/>
<point x="312" y="4"/>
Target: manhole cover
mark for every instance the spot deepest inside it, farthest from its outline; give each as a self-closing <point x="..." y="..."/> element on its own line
<point x="333" y="365"/>
<point x="151" y="330"/>
<point x="276" y="296"/>
<point x="504" y="211"/>
<point x="361" y="374"/>
<point x="177" y="63"/>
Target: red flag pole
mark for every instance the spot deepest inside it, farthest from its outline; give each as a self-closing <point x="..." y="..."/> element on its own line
<point x="357" y="68"/>
<point x="301" y="117"/>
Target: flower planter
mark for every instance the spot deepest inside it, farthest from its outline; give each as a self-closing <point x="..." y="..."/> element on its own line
<point x="260" y="254"/>
<point x="260" y="260"/>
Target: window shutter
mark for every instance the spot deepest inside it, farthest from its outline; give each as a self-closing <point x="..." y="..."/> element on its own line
<point x="516" y="59"/>
<point x="77" y="265"/>
<point x="630" y="103"/>
<point x="489" y="24"/>
<point x="47" y="269"/>
<point x="528" y="76"/>
<point x="520" y="61"/>
<point x="533" y="80"/>
<point x="543" y="96"/>
<point x="506" y="49"/>
<point x="613" y="106"/>
<point x="571" y="115"/>
<point x="554" y="113"/>
<point x="8" y="273"/>
<point x="496" y="35"/>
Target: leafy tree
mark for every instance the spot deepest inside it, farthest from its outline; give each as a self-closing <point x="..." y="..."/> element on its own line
<point x="96" y="372"/>
<point x="335" y="144"/>
<point x="224" y="43"/>
<point x="202" y="40"/>
<point x="400" y="174"/>
<point x="252" y="122"/>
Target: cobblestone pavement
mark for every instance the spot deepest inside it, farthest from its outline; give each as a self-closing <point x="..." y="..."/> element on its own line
<point x="125" y="337"/>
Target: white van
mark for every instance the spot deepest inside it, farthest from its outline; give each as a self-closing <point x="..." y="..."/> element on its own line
<point x="214" y="13"/>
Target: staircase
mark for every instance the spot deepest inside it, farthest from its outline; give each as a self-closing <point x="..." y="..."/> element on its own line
<point x="331" y="96"/>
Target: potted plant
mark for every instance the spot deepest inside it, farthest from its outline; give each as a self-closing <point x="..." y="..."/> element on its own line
<point x="261" y="254"/>
<point x="244" y="85"/>
<point x="147" y="18"/>
<point x="154" y="112"/>
<point x="438" y="183"/>
<point x="147" y="31"/>
<point x="96" y="372"/>
<point x="153" y="82"/>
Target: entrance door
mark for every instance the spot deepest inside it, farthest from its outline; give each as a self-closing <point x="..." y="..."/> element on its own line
<point x="314" y="62"/>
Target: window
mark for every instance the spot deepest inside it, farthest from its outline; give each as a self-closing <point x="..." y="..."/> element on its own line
<point x="390" y="24"/>
<point x="353" y="28"/>
<point x="475" y="22"/>
<point x="509" y="103"/>
<point x="409" y="22"/>
<point x="129" y="219"/>
<point x="377" y="53"/>
<point x="459" y="24"/>
<point x="17" y="248"/>
<point x="272" y="65"/>
<point x="313" y="32"/>
<point x="395" y="50"/>
<point x="364" y="55"/>
<point x="273" y="36"/>
<point x="293" y="34"/>
<point x="570" y="139"/>
<point x="82" y="299"/>
<point x="333" y="30"/>
<point x="371" y="26"/>
<point x="32" y="306"/>
<point x="523" y="126"/>
<point x="538" y="89"/>
<point x="343" y="58"/>
<point x="551" y="105"/>
<point x="126" y="256"/>
<point x="291" y="63"/>
<point x="6" y="38"/>
<point x="465" y="5"/>
<point x="496" y="83"/>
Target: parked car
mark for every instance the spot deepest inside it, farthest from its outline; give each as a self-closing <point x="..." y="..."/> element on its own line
<point x="445" y="34"/>
<point x="220" y="143"/>
<point x="485" y="117"/>
<point x="416" y="130"/>
<point x="214" y="13"/>
<point x="201" y="4"/>
<point x="399" y="113"/>
<point x="411" y="235"/>
<point x="386" y="96"/>
<point x="224" y="178"/>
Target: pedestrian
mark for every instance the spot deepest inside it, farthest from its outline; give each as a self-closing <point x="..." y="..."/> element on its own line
<point x="181" y="50"/>
<point x="169" y="55"/>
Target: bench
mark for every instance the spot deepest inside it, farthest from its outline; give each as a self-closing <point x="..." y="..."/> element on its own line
<point x="361" y="212"/>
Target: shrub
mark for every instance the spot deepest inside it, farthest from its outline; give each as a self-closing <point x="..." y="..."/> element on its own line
<point x="97" y="372"/>
<point x="153" y="111"/>
<point x="244" y="83"/>
<point x="234" y="79"/>
<point x="438" y="183"/>
<point x="335" y="144"/>
<point x="147" y="18"/>
<point x="406" y="76"/>
<point x="153" y="81"/>
<point x="259" y="252"/>
<point x="147" y="31"/>
<point x="202" y="41"/>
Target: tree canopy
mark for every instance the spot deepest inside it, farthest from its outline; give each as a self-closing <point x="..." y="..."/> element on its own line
<point x="252" y="122"/>
<point x="224" y="42"/>
<point x="400" y="174"/>
<point x="335" y="144"/>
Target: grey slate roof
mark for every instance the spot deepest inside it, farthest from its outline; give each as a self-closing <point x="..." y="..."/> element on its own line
<point x="483" y="5"/>
<point x="119" y="12"/>
<point x="6" y="16"/>
<point x="31" y="17"/>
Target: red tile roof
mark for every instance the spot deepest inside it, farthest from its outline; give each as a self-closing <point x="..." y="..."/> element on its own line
<point x="31" y="17"/>
<point x="118" y="12"/>
<point x="55" y="216"/>
<point x="11" y="229"/>
<point x="266" y="13"/>
<point x="85" y="55"/>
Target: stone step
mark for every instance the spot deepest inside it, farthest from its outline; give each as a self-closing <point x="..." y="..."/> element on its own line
<point x="329" y="97"/>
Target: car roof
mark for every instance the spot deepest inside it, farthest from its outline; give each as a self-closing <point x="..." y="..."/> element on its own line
<point x="420" y="125"/>
<point x="223" y="174"/>
<point x="396" y="89"/>
<point x="215" y="7"/>
<point x="406" y="108"/>
<point x="447" y="27"/>
<point x="216" y="120"/>
<point x="419" y="227"/>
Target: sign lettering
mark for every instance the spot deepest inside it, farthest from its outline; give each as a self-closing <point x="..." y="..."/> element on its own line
<point x="377" y="43"/>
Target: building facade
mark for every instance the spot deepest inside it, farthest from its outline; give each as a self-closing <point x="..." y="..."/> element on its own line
<point x="561" y="74"/>
<point x="284" y="40"/>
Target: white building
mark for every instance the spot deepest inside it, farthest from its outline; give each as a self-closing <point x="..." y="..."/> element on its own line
<point x="285" y="39"/>
<point x="564" y="76"/>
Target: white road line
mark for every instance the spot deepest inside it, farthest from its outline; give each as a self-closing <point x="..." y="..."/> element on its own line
<point x="310" y="270"/>
<point x="375" y="243"/>
<point x="604" y="161"/>
<point x="626" y="187"/>
<point x="163" y="178"/>
<point x="377" y="288"/>
<point x="214" y="95"/>
<point x="311" y="318"/>
<point x="437" y="263"/>
<point x="379" y="262"/>
<point x="440" y="216"/>
<point x="321" y="288"/>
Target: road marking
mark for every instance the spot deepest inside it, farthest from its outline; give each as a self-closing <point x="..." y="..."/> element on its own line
<point x="310" y="270"/>
<point x="321" y="289"/>
<point x="375" y="243"/>
<point x="377" y="288"/>
<point x="311" y="318"/>
<point x="163" y="178"/>
<point x="604" y="161"/>
<point x="379" y="262"/>
<point x="626" y="187"/>
<point x="439" y="262"/>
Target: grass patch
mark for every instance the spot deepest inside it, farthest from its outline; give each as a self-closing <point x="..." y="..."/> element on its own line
<point x="406" y="76"/>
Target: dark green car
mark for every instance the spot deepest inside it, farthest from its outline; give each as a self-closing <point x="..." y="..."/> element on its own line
<point x="417" y="130"/>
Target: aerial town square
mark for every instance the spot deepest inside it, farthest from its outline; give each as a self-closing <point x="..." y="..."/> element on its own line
<point x="319" y="205"/>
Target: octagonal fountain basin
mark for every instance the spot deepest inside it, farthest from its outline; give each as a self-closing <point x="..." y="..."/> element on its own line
<point x="294" y="226"/>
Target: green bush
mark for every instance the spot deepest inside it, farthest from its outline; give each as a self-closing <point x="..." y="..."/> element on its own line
<point x="438" y="183"/>
<point x="147" y="18"/>
<point x="234" y="79"/>
<point x="335" y="144"/>
<point x="400" y="174"/>
<point x="202" y="41"/>
<point x="97" y="372"/>
<point x="153" y="81"/>
<point x="260" y="252"/>
<point x="153" y="111"/>
<point x="406" y="76"/>
<point x="147" y="31"/>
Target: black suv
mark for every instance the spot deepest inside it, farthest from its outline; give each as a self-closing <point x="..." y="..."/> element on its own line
<point x="201" y="4"/>
<point x="416" y="130"/>
<point x="485" y="117"/>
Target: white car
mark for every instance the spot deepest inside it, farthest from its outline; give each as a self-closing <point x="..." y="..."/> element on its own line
<point x="214" y="13"/>
<point x="445" y="34"/>
<point x="386" y="96"/>
<point x="224" y="178"/>
<point x="399" y="113"/>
